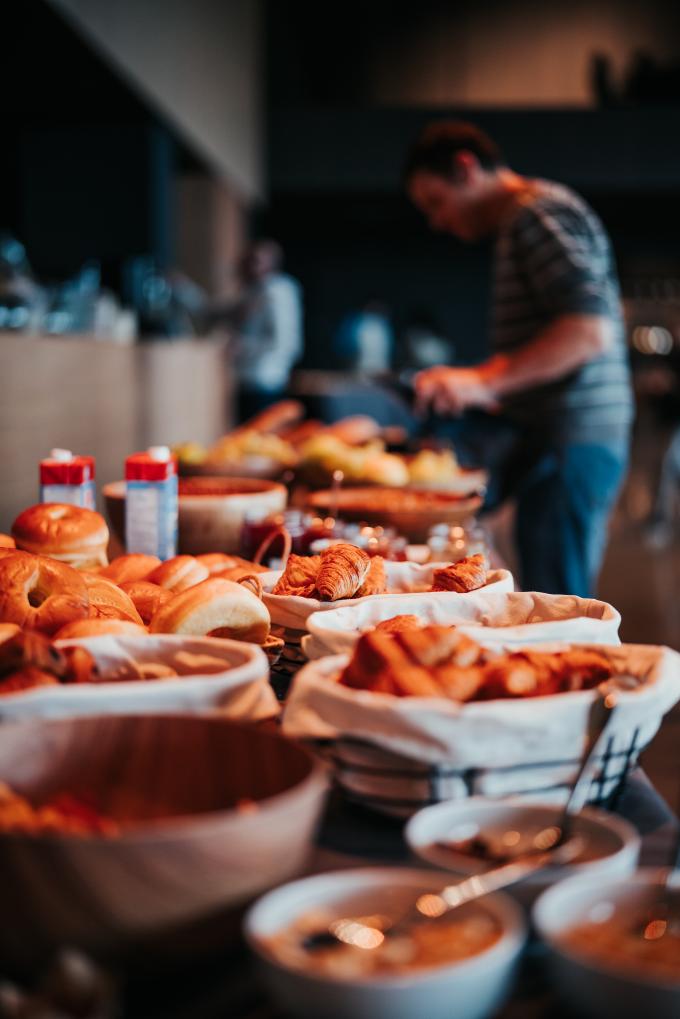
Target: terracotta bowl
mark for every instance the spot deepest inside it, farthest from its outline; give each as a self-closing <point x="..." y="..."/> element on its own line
<point x="211" y="510"/>
<point x="213" y="813"/>
<point x="411" y="511"/>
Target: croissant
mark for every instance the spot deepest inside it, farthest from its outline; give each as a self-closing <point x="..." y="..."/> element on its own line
<point x="342" y="572"/>
<point x="299" y="576"/>
<point x="376" y="581"/>
<point x="398" y="623"/>
<point x="466" y="575"/>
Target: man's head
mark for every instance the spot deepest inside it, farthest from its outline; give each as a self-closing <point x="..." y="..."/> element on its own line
<point x="452" y="175"/>
<point x="261" y="259"/>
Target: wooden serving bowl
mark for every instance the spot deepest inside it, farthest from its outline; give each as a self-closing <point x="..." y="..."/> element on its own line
<point x="212" y="813"/>
<point x="211" y="510"/>
<point x="411" y="511"/>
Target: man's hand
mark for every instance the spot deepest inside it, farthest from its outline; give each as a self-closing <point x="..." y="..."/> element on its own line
<point x="451" y="391"/>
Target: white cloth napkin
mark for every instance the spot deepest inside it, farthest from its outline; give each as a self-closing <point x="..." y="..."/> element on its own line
<point x="515" y="617"/>
<point x="215" y="675"/>
<point x="292" y="612"/>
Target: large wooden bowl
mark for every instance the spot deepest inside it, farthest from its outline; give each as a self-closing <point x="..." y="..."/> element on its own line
<point x="412" y="512"/>
<point x="211" y="510"/>
<point x="188" y="857"/>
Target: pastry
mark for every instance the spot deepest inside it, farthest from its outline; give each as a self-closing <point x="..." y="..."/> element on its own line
<point x="99" y="628"/>
<point x="126" y="568"/>
<point x="376" y="581"/>
<point x="342" y="571"/>
<point x="26" y="679"/>
<point x="299" y="576"/>
<point x="6" y="541"/>
<point x="467" y="574"/>
<point x="71" y="534"/>
<point x="215" y="607"/>
<point x="39" y="593"/>
<point x="107" y="601"/>
<point x="31" y="648"/>
<point x="146" y="597"/>
<point x="178" y="573"/>
<point x="398" y="623"/>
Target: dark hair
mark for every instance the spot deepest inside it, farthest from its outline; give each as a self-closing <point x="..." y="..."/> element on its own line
<point x="439" y="142"/>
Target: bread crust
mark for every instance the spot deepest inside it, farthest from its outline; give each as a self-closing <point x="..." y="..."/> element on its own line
<point x="214" y="605"/>
<point x="71" y="534"/>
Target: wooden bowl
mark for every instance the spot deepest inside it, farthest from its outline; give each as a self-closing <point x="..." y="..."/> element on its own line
<point x="211" y="510"/>
<point x="411" y="511"/>
<point x="188" y="854"/>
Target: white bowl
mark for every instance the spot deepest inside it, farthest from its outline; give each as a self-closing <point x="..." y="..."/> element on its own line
<point x="613" y="841"/>
<point x="470" y="989"/>
<point x="589" y="986"/>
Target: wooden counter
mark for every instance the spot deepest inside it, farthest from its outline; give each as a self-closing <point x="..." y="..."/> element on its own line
<point x="103" y="399"/>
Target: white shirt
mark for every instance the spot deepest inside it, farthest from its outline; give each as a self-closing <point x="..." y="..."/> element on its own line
<point x="270" y="340"/>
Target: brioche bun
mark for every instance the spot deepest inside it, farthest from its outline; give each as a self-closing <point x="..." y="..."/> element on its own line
<point x="108" y="601"/>
<point x="126" y="568"/>
<point x="99" y="627"/>
<point x="217" y="607"/>
<point x="146" y="597"/>
<point x="179" y="573"/>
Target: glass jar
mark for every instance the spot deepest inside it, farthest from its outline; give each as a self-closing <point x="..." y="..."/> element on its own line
<point x="449" y="544"/>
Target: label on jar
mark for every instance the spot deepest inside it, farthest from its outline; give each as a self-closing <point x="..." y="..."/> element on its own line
<point x="76" y="495"/>
<point x="151" y="517"/>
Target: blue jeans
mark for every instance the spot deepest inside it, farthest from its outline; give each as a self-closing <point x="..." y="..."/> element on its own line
<point x="564" y="492"/>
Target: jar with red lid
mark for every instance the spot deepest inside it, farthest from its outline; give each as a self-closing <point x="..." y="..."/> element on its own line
<point x="65" y="477"/>
<point x="151" y="502"/>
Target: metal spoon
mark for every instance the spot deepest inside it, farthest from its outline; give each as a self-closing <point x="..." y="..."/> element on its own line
<point x="599" y="716"/>
<point x="370" y="932"/>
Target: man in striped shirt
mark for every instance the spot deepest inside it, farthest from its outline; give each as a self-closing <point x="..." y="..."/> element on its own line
<point x="555" y="394"/>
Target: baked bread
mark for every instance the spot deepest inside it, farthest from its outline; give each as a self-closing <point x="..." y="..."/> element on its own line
<point x="107" y="601"/>
<point x="70" y="534"/>
<point x="126" y="568"/>
<point x="299" y="576"/>
<point x="467" y="574"/>
<point x="178" y="573"/>
<point x="38" y="593"/>
<point x="26" y="679"/>
<point x="342" y="571"/>
<point x="6" y="541"/>
<point x="376" y="580"/>
<point x="99" y="628"/>
<point x="215" y="607"/>
<point x="146" y="597"/>
<point x="398" y="623"/>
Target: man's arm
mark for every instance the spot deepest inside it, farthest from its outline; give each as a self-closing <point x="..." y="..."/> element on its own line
<point x="569" y="342"/>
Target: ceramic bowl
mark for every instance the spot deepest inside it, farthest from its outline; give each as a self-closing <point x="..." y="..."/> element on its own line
<point x="468" y="989"/>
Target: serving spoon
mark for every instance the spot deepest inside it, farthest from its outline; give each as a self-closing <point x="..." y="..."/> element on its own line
<point x="555" y="845"/>
<point x="508" y="844"/>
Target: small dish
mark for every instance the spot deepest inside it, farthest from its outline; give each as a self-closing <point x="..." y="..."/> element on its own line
<point x="611" y="848"/>
<point x="476" y="985"/>
<point x="591" y="986"/>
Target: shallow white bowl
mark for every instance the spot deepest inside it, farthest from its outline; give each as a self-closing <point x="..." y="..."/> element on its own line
<point x="470" y="989"/>
<point x="614" y="840"/>
<point x="588" y="986"/>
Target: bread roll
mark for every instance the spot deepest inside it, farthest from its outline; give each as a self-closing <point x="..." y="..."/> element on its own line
<point x="6" y="541"/>
<point x="108" y="601"/>
<point x="126" y="568"/>
<point x="179" y="573"/>
<point x="99" y="627"/>
<point x="70" y="534"/>
<point x="146" y="597"/>
<point x="218" y="607"/>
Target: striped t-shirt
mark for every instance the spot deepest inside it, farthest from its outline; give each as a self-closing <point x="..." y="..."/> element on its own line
<point x="553" y="258"/>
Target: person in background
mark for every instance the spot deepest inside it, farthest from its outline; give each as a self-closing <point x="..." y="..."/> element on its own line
<point x="268" y="321"/>
<point x="364" y="342"/>
<point x="551" y="408"/>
